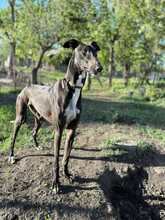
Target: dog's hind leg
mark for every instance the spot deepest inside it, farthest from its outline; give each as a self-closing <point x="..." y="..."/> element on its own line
<point x="20" y="119"/>
<point x="37" y="125"/>
<point x="67" y="151"/>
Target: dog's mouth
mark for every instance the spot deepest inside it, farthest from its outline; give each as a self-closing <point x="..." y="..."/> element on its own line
<point x="93" y="72"/>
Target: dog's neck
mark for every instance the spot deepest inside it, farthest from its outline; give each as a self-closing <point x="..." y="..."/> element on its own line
<point x="75" y="77"/>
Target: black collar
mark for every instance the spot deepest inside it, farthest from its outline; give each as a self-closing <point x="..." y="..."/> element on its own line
<point x="72" y="86"/>
<point x="78" y="87"/>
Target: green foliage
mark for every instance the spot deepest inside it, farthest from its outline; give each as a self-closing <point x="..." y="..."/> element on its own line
<point x="134" y="28"/>
<point x="109" y="143"/>
<point x="153" y="93"/>
<point x="110" y="149"/>
<point x="6" y="112"/>
<point x="60" y="58"/>
<point x="144" y="147"/>
<point x="4" y="48"/>
<point x="8" y="29"/>
<point x="39" y="27"/>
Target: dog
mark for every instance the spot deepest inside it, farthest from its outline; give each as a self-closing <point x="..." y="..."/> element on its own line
<point x="60" y="104"/>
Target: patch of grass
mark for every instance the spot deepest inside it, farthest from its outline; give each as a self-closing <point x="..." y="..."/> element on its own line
<point x="24" y="69"/>
<point x="7" y="89"/>
<point x="6" y="115"/>
<point x="109" y="147"/>
<point x="45" y="135"/>
<point x="108" y="111"/>
<point x="119" y="117"/>
<point x="109" y="143"/>
<point x="144" y="148"/>
<point x="50" y="76"/>
<point x="24" y="138"/>
<point x="121" y="150"/>
<point x="100" y="105"/>
<point x="153" y="133"/>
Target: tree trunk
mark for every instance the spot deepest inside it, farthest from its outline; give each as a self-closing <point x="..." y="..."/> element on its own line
<point x="36" y="68"/>
<point x="146" y="70"/>
<point x="111" y="68"/>
<point x="12" y="70"/>
<point x="89" y="82"/>
<point x="126" y="73"/>
<point x="12" y="58"/>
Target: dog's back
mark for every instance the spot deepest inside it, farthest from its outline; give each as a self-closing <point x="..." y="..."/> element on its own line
<point x="47" y="101"/>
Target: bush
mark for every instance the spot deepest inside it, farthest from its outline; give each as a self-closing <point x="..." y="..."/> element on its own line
<point x="154" y="93"/>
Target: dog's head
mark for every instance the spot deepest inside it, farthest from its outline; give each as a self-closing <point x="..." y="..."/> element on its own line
<point x="85" y="56"/>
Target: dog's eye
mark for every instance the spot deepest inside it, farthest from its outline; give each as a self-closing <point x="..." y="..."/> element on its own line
<point x="85" y="52"/>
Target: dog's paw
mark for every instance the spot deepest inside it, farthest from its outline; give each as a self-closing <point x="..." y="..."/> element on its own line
<point x="69" y="177"/>
<point x="11" y="160"/>
<point x="56" y="188"/>
<point x="38" y="147"/>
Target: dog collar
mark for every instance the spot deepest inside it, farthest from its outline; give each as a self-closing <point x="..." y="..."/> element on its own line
<point x="77" y="87"/>
<point x="73" y="86"/>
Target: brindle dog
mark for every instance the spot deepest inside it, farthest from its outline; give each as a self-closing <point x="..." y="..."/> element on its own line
<point x="60" y="104"/>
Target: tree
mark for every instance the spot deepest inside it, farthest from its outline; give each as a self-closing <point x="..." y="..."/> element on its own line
<point x="49" y="23"/>
<point x="8" y="28"/>
<point x="39" y="27"/>
<point x="107" y="32"/>
<point x="125" y="46"/>
<point x="129" y="33"/>
<point x="148" y="53"/>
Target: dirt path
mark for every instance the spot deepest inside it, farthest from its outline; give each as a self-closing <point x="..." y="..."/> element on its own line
<point x="125" y="186"/>
<point x="25" y="188"/>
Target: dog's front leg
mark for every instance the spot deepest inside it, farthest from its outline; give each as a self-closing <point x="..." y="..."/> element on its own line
<point x="67" y="151"/>
<point x="57" y="142"/>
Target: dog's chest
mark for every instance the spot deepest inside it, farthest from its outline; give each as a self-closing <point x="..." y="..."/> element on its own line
<point x="72" y="111"/>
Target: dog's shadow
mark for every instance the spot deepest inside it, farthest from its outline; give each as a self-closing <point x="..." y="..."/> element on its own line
<point x="129" y="154"/>
<point x="125" y="195"/>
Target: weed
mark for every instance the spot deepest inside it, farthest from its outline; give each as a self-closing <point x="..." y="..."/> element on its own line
<point x="144" y="148"/>
<point x="119" y="117"/>
<point x="110" y="149"/>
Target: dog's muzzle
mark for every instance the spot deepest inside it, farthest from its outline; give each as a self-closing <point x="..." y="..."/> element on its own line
<point x="99" y="69"/>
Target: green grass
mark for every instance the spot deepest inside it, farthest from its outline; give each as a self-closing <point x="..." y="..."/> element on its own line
<point x="116" y="148"/>
<point x="50" y="77"/>
<point x="153" y="133"/>
<point x="104" y="105"/>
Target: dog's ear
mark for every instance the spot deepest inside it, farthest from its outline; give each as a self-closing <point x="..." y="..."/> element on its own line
<point x="71" y="44"/>
<point x="95" y="46"/>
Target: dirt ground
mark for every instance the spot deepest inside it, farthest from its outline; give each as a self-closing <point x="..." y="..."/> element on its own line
<point x="129" y="185"/>
<point x="105" y="187"/>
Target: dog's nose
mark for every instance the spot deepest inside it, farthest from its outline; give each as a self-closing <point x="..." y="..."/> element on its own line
<point x="99" y="68"/>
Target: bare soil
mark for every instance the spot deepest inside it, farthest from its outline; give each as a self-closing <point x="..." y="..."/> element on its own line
<point x="124" y="186"/>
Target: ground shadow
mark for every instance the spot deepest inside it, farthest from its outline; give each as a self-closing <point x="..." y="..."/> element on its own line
<point x="59" y="209"/>
<point x="124" y="112"/>
<point x="125" y="195"/>
<point x="8" y="98"/>
<point x="126" y="154"/>
<point x="107" y="111"/>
